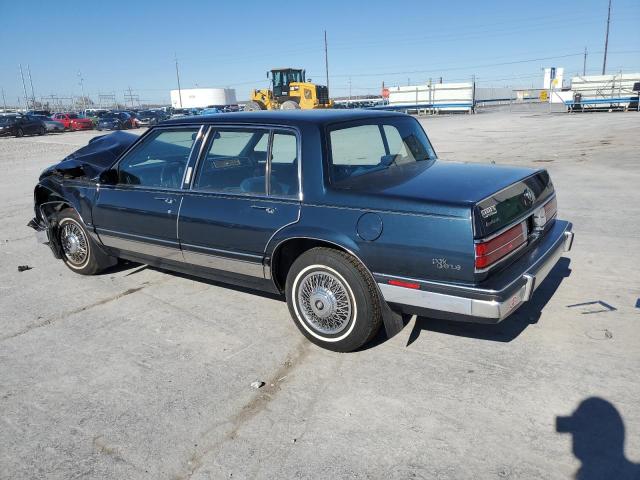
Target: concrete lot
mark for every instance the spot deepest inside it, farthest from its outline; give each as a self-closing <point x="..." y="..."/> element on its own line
<point x="139" y="373"/>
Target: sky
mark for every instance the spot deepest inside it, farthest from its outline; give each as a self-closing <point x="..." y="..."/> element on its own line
<point x="118" y="45"/>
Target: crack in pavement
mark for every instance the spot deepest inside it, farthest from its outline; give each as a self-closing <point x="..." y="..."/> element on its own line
<point x="255" y="406"/>
<point x="49" y="321"/>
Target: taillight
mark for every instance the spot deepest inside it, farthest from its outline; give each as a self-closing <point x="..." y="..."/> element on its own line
<point x="489" y="252"/>
<point x="551" y="208"/>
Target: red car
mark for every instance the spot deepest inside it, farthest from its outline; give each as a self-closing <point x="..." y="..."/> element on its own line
<point x="72" y="121"/>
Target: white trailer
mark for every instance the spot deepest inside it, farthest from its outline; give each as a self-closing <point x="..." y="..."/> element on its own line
<point x="603" y="91"/>
<point x="203" y="97"/>
<point x="438" y="97"/>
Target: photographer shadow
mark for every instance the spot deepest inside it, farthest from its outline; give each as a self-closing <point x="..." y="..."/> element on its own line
<point x="598" y="441"/>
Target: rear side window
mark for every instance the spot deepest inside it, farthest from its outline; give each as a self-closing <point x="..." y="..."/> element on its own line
<point x="160" y="160"/>
<point x="284" y="164"/>
<point x="359" y="149"/>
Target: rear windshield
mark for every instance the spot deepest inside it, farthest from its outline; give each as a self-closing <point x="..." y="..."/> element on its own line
<point x="364" y="147"/>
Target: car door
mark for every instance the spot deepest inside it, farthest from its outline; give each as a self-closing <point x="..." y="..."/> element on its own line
<point x="137" y="215"/>
<point x="31" y="124"/>
<point x="235" y="203"/>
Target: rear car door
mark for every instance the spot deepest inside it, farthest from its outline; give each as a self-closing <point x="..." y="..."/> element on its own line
<point x="246" y="188"/>
<point x="138" y="214"/>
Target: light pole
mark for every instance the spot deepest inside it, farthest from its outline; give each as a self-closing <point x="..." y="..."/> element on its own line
<point x="178" y="77"/>
<point x="606" y="40"/>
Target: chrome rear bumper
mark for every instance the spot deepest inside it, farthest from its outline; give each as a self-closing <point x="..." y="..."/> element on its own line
<point x="485" y="305"/>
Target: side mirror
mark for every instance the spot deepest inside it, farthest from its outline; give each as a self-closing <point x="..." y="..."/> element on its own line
<point x="109" y="177"/>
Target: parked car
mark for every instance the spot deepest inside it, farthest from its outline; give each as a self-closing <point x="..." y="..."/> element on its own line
<point x="19" y="125"/>
<point x="115" y="121"/>
<point x="94" y="114"/>
<point x="51" y="125"/>
<point x="35" y="113"/>
<point x="351" y="216"/>
<point x="73" y="121"/>
<point x="210" y="111"/>
<point x="148" y="118"/>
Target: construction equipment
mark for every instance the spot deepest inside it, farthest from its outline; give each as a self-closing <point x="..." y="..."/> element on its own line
<point x="290" y="90"/>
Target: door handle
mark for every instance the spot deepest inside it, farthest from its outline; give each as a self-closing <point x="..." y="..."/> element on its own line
<point x="270" y="210"/>
<point x="168" y="200"/>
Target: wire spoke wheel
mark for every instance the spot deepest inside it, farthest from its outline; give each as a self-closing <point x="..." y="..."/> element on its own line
<point x="74" y="243"/>
<point x="324" y="302"/>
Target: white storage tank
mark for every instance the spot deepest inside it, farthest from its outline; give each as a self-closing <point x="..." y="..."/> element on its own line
<point x="203" y="97"/>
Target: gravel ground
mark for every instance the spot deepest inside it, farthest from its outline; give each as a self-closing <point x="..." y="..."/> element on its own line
<point x="143" y="374"/>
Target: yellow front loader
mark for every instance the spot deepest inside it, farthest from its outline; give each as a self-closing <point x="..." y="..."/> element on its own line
<point x="289" y="91"/>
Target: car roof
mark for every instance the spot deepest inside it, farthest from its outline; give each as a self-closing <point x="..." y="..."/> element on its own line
<point x="286" y="117"/>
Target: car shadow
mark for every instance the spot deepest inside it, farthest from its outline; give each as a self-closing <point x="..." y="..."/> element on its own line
<point x="508" y="329"/>
<point x="598" y="432"/>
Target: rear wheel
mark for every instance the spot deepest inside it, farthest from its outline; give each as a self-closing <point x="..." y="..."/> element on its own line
<point x="19" y="132"/>
<point x="252" y="106"/>
<point x="42" y="131"/>
<point x="333" y="299"/>
<point x="290" y="105"/>
<point x="80" y="252"/>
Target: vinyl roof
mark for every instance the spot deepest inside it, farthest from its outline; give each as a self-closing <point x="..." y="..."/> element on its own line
<point x="286" y="117"/>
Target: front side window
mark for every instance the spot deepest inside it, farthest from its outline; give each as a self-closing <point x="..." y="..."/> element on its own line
<point x="359" y="149"/>
<point x="160" y="160"/>
<point x="235" y="162"/>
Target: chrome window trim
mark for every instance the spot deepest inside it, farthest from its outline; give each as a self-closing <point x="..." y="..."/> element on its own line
<point x="272" y="129"/>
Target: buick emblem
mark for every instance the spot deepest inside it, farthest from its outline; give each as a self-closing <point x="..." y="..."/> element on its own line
<point x="528" y="197"/>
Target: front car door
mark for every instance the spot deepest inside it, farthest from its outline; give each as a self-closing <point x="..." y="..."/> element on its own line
<point x="137" y="217"/>
<point x="246" y="188"/>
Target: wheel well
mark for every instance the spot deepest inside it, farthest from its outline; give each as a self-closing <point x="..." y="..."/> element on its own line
<point x="286" y="254"/>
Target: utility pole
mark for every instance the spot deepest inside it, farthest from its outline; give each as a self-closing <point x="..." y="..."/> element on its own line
<point x="326" y="59"/>
<point x="584" y="63"/>
<point x="349" y="89"/>
<point x="4" y="101"/>
<point x="178" y="77"/>
<point x="33" y="95"/>
<point x="24" y="87"/>
<point x="131" y="96"/>
<point x="84" y="102"/>
<point x="606" y="40"/>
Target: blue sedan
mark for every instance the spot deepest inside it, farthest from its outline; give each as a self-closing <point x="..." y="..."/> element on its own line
<point x="349" y="215"/>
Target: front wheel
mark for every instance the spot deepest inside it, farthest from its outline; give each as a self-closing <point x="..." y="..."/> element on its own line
<point x="333" y="299"/>
<point x="80" y="252"/>
<point x="19" y="132"/>
<point x="42" y="131"/>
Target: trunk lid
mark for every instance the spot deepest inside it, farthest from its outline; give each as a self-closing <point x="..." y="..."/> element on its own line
<point x="422" y="187"/>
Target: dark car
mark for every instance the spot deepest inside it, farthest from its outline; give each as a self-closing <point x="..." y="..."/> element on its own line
<point x="51" y="125"/>
<point x="115" y="121"/>
<point x="348" y="213"/>
<point x="149" y="118"/>
<point x="19" y="125"/>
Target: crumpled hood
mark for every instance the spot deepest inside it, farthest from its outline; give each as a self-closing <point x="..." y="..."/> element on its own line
<point x="91" y="160"/>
